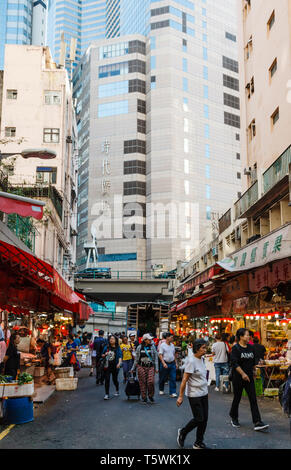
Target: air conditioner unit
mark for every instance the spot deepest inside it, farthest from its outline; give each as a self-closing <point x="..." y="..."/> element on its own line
<point x="237" y="233"/>
<point x="247" y="171"/>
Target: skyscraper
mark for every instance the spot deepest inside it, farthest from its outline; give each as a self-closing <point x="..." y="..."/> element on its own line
<point x="93" y="22"/>
<point x="175" y="146"/>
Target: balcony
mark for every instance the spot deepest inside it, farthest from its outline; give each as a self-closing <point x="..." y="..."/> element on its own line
<point x="249" y="198"/>
<point x="38" y="192"/>
<point x="23" y="229"/>
<point x="225" y="221"/>
<point x="277" y="171"/>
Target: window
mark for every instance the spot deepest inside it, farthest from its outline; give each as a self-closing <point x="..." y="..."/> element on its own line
<point x="275" y="116"/>
<point x="238" y="156"/>
<point x="52" y="97"/>
<point x="205" y="91"/>
<point x="206" y="111"/>
<point x="186" y="167"/>
<point x="205" y="53"/>
<point x="230" y="64"/>
<point x="184" y="45"/>
<point x="51" y="135"/>
<point x="231" y="120"/>
<point x="204" y="24"/>
<point x="137" y="85"/>
<point x="187" y="187"/>
<point x="134" y="146"/>
<point x="237" y="137"/>
<point x="11" y="94"/>
<point x="271" y="21"/>
<point x="238" y="175"/>
<point x="113" y="89"/>
<point x="205" y="72"/>
<point x="185" y="84"/>
<point x="206" y="131"/>
<point x="208" y="191"/>
<point x="207" y="171"/>
<point x="136" y="46"/>
<point x="136" y="66"/>
<point x="252" y="129"/>
<point x="113" y="70"/>
<point x="207" y="150"/>
<point x="208" y="212"/>
<point x="141" y="126"/>
<point x="185" y="104"/>
<point x="231" y="82"/>
<point x="204" y="11"/>
<point x="204" y="37"/>
<point x="112" y="109"/>
<point x="185" y="65"/>
<point x="153" y="43"/>
<point x="153" y="82"/>
<point x="134" y="166"/>
<point x="273" y="68"/>
<point x="46" y="175"/>
<point x="186" y="145"/>
<point x="153" y="62"/>
<point x="141" y="106"/>
<point x="250" y="87"/>
<point x="230" y="36"/>
<point x="10" y="131"/>
<point x="160" y="11"/>
<point x="160" y="24"/>
<point x="232" y="101"/>
<point x="134" y="187"/>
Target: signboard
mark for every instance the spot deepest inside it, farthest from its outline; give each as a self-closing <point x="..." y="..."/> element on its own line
<point x="275" y="246"/>
<point x="110" y="307"/>
<point x="270" y="276"/>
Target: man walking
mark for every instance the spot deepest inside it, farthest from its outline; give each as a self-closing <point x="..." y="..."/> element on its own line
<point x="243" y="363"/>
<point x="98" y="346"/>
<point x="196" y="385"/>
<point x="219" y="350"/>
<point x="167" y="357"/>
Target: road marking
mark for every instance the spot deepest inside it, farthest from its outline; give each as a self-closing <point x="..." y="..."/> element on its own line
<point x="7" y="431"/>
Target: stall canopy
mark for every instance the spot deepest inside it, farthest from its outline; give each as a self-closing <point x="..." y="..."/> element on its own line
<point x="23" y="206"/>
<point x="30" y="283"/>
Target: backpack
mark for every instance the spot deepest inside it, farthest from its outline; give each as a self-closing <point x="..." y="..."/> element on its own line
<point x="98" y="345"/>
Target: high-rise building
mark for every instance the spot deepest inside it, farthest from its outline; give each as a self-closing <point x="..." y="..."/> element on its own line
<point x="93" y="22"/>
<point x="22" y="22"/>
<point x="175" y="145"/>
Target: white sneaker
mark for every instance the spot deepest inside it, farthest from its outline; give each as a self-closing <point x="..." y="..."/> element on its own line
<point x="116" y="394"/>
<point x="106" y="397"/>
<point x="216" y="389"/>
<point x="162" y="393"/>
<point x="174" y="395"/>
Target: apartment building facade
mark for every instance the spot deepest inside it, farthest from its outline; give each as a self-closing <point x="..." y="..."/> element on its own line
<point x="38" y="113"/>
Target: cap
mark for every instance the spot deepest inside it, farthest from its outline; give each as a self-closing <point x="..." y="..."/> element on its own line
<point x="131" y="334"/>
<point x="147" y="336"/>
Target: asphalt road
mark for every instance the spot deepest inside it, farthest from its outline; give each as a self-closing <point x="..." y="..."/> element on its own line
<point x="81" y="419"/>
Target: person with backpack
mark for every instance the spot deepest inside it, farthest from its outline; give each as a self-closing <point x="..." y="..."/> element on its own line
<point x="243" y="361"/>
<point x="98" y="346"/>
<point x="112" y="362"/>
<point x="220" y="352"/>
<point x="146" y="363"/>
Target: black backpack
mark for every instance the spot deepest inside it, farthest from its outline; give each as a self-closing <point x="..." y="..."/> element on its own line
<point x="98" y="345"/>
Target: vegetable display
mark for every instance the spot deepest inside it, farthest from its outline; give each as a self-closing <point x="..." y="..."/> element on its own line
<point x="24" y="378"/>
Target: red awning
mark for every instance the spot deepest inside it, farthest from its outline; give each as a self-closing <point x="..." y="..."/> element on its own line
<point x="44" y="276"/>
<point x="208" y="293"/>
<point x="23" y="206"/>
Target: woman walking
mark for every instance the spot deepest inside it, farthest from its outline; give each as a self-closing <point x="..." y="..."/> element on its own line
<point x="243" y="368"/>
<point x="196" y="385"/>
<point x="127" y="360"/>
<point x="12" y="357"/>
<point x="146" y="362"/>
<point x="113" y="359"/>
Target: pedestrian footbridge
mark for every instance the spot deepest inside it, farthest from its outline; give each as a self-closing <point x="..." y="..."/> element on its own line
<point x="125" y="286"/>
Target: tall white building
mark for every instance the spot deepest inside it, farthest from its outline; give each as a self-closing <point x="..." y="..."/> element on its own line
<point x="167" y="118"/>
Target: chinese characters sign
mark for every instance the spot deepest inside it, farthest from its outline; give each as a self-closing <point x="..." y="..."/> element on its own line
<point x="275" y="246"/>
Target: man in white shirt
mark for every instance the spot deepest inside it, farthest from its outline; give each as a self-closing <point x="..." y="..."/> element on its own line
<point x="167" y="355"/>
<point x="219" y="350"/>
<point x="195" y="381"/>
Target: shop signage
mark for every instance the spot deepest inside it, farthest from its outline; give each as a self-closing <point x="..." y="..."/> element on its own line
<point x="62" y="289"/>
<point x="200" y="279"/>
<point x="235" y="287"/>
<point x="275" y="246"/>
<point x="270" y="276"/>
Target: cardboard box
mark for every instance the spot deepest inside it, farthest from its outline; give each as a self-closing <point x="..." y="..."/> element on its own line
<point x="39" y="371"/>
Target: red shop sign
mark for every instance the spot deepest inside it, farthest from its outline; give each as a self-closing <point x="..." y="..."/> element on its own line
<point x="270" y="276"/>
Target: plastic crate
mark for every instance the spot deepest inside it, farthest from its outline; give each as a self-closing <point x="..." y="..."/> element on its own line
<point x="63" y="372"/>
<point x="39" y="372"/>
<point x="14" y="390"/>
<point x="66" y="384"/>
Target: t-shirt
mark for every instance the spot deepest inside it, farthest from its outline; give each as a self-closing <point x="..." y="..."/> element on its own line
<point x="126" y="352"/>
<point x="167" y="351"/>
<point x="244" y="358"/>
<point x="145" y="360"/>
<point x="197" y="385"/>
<point x="260" y="352"/>
<point x="220" y="352"/>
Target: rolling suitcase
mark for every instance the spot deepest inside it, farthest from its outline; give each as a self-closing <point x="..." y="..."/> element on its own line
<point x="132" y="388"/>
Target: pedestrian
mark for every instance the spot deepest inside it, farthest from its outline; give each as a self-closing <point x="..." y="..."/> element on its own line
<point x="195" y="386"/>
<point x="2" y="346"/>
<point x="243" y="370"/>
<point x="146" y="362"/>
<point x="77" y="339"/>
<point x="220" y="353"/>
<point x="12" y="357"/>
<point x="133" y="341"/>
<point x="85" y="339"/>
<point x="98" y="346"/>
<point x="127" y="360"/>
<point x="113" y="359"/>
<point x="232" y="341"/>
<point x="71" y="349"/>
<point x="167" y="355"/>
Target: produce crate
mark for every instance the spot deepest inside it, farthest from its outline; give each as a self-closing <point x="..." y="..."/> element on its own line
<point x="64" y="372"/>
<point x="66" y="384"/>
<point x="271" y="392"/>
<point x="15" y="390"/>
<point x="39" y="371"/>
